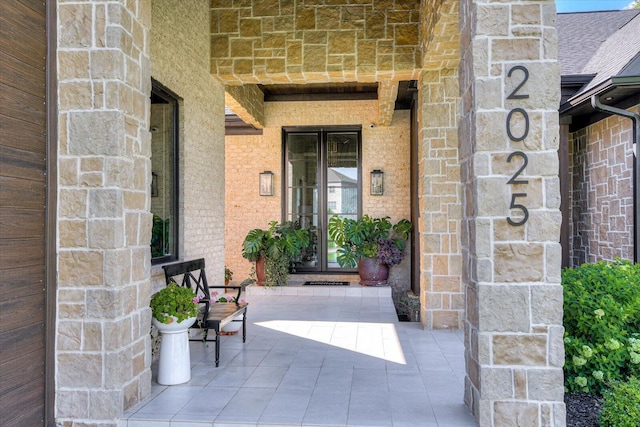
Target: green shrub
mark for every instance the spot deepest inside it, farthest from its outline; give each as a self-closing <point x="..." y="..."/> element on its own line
<point x="601" y="320"/>
<point x="621" y="406"/>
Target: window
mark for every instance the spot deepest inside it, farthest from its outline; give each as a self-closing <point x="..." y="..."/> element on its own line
<point x="164" y="174"/>
<point x="322" y="179"/>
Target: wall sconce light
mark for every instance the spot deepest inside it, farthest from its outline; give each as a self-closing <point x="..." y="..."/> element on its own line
<point x="377" y="182"/>
<point x="266" y="183"/>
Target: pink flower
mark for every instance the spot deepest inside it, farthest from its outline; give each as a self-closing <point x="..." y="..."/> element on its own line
<point x="196" y="300"/>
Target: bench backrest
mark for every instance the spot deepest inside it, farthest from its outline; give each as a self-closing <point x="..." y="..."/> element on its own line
<point x="193" y="277"/>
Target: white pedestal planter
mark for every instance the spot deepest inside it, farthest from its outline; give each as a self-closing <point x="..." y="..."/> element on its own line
<point x="233" y="326"/>
<point x="174" y="366"/>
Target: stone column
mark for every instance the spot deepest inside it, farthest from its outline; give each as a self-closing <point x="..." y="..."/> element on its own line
<point x="509" y="80"/>
<point x="442" y="299"/>
<point x="439" y="188"/>
<point x="102" y="345"/>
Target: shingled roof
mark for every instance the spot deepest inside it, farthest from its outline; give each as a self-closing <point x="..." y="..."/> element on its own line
<point x="580" y="35"/>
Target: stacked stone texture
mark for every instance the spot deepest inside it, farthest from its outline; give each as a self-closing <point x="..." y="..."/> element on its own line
<point x="313" y="41"/>
<point x="247" y="102"/>
<point x="439" y="188"/>
<point x="601" y="170"/>
<point x="102" y="357"/>
<point x="302" y="42"/>
<point x="513" y="331"/>
<point x="180" y="50"/>
<point x="103" y="352"/>
<point x="511" y="275"/>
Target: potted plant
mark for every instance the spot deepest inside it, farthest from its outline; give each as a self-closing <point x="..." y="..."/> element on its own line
<point x="174" y="304"/>
<point x="228" y="275"/>
<point x="174" y="309"/>
<point x="371" y="244"/>
<point x="273" y="250"/>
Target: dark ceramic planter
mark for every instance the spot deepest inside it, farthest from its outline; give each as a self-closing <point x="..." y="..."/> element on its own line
<point x="372" y="273"/>
<point x="260" y="274"/>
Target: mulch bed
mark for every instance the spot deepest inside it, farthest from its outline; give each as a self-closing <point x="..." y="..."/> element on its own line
<point x="582" y="409"/>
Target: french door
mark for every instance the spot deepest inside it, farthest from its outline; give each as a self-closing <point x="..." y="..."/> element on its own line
<point x="323" y="178"/>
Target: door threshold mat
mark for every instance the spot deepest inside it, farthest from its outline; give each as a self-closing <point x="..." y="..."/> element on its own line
<point x="325" y="283"/>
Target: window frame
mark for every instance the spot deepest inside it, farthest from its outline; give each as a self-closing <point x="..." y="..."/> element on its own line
<point x="161" y="91"/>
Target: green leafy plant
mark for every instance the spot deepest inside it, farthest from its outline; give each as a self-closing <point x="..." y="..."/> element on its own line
<point x="601" y="320"/>
<point x="279" y="245"/>
<point x="174" y="300"/>
<point x="228" y="274"/>
<point x="365" y="237"/>
<point x="621" y="406"/>
<point x="159" y="237"/>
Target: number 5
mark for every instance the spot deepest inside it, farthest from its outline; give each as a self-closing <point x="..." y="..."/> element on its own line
<point x="523" y="208"/>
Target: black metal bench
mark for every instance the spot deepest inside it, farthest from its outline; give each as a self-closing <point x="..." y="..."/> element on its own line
<point x="212" y="315"/>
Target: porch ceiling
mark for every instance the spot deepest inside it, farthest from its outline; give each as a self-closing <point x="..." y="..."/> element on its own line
<point x="319" y="91"/>
<point x="239" y="122"/>
<point x="319" y="50"/>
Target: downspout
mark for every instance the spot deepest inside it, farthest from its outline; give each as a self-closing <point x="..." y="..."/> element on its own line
<point x="635" y="118"/>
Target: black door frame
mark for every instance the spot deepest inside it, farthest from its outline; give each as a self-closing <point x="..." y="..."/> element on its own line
<point x="322" y="192"/>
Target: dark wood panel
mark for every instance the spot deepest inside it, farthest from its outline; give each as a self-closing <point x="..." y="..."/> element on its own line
<point x="22" y="164"/>
<point x="22" y="76"/>
<point x="21" y="193"/>
<point x="18" y="407"/>
<point x="33" y="416"/>
<point x="17" y="282"/>
<point x="36" y="6"/>
<point x="22" y="33"/>
<point x="21" y="223"/>
<point x="21" y="253"/>
<point x="20" y="105"/>
<point x="19" y="312"/>
<point x="17" y="342"/>
<point x="29" y="367"/>
<point x="22" y="135"/>
<point x="25" y="400"/>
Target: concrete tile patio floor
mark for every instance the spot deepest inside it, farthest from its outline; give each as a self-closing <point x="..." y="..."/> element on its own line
<point x="312" y="359"/>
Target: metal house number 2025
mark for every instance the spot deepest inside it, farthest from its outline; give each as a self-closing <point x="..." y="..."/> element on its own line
<point x="525" y="160"/>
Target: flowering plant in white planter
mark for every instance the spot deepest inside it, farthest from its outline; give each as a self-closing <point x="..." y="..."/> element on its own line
<point x="174" y="301"/>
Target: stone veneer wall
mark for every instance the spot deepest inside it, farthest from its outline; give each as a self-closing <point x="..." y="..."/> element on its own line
<point x="601" y="170"/>
<point x="180" y="62"/>
<point x="439" y="187"/>
<point x="103" y="350"/>
<point x="514" y="350"/>
<point x="385" y="148"/>
<point x="104" y="225"/>
<point x="306" y="41"/>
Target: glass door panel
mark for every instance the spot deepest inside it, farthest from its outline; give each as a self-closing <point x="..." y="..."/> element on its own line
<point x="302" y="191"/>
<point x="342" y="183"/>
<point x="323" y="179"/>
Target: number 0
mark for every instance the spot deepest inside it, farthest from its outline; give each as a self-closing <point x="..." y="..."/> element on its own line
<point x="525" y="116"/>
